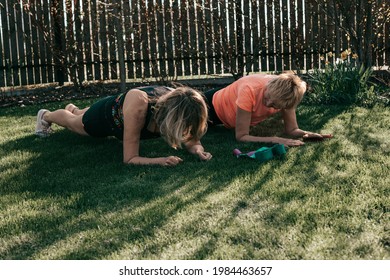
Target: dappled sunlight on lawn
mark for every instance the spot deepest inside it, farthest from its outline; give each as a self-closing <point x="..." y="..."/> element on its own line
<point x="15" y="164"/>
<point x="71" y="197"/>
<point x="195" y="232"/>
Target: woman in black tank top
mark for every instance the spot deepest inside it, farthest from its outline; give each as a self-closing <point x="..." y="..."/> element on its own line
<point x="178" y="115"/>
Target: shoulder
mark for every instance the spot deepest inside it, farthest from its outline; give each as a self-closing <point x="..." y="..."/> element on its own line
<point x="136" y="100"/>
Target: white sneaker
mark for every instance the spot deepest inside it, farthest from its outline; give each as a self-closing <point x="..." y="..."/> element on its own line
<point x="43" y="128"/>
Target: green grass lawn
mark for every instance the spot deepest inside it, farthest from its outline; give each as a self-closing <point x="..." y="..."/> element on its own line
<point x="70" y="197"/>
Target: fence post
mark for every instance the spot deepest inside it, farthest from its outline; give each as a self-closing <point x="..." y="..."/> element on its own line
<point x="58" y="42"/>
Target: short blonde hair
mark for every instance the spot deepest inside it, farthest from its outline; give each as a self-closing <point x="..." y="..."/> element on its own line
<point x="286" y="90"/>
<point x="181" y="115"/>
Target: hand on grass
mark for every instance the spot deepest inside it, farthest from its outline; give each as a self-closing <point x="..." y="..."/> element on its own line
<point x="315" y="136"/>
<point x="204" y="155"/>
<point x="292" y="142"/>
<point x="171" y="161"/>
<point x="289" y="142"/>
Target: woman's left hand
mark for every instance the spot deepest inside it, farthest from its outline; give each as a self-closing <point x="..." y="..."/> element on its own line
<point x="196" y="148"/>
<point x="204" y="155"/>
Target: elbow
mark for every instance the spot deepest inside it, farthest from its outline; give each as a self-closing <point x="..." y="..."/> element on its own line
<point x="240" y="137"/>
<point x="129" y="160"/>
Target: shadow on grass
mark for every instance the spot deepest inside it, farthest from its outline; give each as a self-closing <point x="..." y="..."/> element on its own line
<point x="83" y="203"/>
<point x="81" y="180"/>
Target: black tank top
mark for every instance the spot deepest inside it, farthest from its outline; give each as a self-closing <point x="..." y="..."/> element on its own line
<point x="116" y="111"/>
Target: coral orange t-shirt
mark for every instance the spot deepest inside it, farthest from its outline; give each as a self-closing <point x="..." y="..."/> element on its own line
<point x="247" y="94"/>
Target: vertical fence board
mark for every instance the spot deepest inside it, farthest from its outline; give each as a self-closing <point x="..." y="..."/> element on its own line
<point x="169" y="37"/>
<point x="255" y="35"/>
<point x="315" y="43"/>
<point x="380" y="42"/>
<point x="193" y="38"/>
<point x="48" y="43"/>
<point x="161" y="43"/>
<point x="263" y="35"/>
<point x="278" y="37"/>
<point x="176" y="21"/>
<point x="35" y="48"/>
<point x="112" y="40"/>
<point x="28" y="42"/>
<point x="285" y="35"/>
<point x="321" y="38"/>
<point x="209" y="37"/>
<point x="63" y="49"/>
<point x="309" y="37"/>
<point x="128" y="31"/>
<point x="57" y="39"/>
<point x="2" y="66"/>
<point x="201" y="36"/>
<point x="270" y="35"/>
<point x="240" y="38"/>
<point x="14" y="46"/>
<point x="87" y="40"/>
<point x="224" y="36"/>
<point x="300" y="55"/>
<point x="103" y="40"/>
<point x="70" y="41"/>
<point x="184" y="35"/>
<point x="231" y="44"/>
<point x="344" y="40"/>
<point x="216" y="18"/>
<point x="137" y="38"/>
<point x="330" y="35"/>
<point x="151" y="38"/>
<point x="96" y="62"/>
<point x="79" y="42"/>
<point x="293" y="35"/>
<point x="42" y="44"/>
<point x="386" y="53"/>
<point x="21" y="49"/>
<point x="248" y="37"/>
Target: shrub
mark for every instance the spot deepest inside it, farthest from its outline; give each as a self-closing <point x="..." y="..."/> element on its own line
<point x="341" y="82"/>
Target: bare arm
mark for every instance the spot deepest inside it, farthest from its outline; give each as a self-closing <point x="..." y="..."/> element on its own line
<point x="291" y="125"/>
<point x="243" y="120"/>
<point x="134" y="114"/>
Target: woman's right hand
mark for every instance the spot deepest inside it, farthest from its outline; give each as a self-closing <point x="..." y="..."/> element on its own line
<point x="171" y="161"/>
<point x="288" y="142"/>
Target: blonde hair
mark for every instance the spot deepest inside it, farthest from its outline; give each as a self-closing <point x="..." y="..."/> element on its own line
<point x="181" y="116"/>
<point x="286" y="90"/>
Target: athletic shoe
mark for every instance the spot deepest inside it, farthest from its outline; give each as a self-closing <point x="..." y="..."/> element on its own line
<point x="43" y="128"/>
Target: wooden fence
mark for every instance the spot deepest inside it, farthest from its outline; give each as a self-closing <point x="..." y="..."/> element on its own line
<point x="56" y="41"/>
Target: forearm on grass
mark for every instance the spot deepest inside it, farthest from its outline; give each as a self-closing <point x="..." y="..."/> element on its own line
<point x="137" y="160"/>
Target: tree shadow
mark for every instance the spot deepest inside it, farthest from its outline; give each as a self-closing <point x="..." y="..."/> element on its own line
<point x="85" y="176"/>
<point x="83" y="200"/>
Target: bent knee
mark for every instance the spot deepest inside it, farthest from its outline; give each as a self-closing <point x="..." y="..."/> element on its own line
<point x="76" y="125"/>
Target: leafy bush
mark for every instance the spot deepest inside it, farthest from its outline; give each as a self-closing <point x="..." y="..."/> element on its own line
<point x="342" y="82"/>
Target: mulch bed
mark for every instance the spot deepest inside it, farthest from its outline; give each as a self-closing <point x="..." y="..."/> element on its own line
<point x="32" y="95"/>
<point x="44" y="94"/>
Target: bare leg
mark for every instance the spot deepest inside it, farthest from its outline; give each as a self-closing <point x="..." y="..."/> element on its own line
<point x="75" y="110"/>
<point x="78" y="111"/>
<point x="66" y="119"/>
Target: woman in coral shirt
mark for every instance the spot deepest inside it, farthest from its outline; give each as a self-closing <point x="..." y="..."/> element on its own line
<point x="252" y="99"/>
